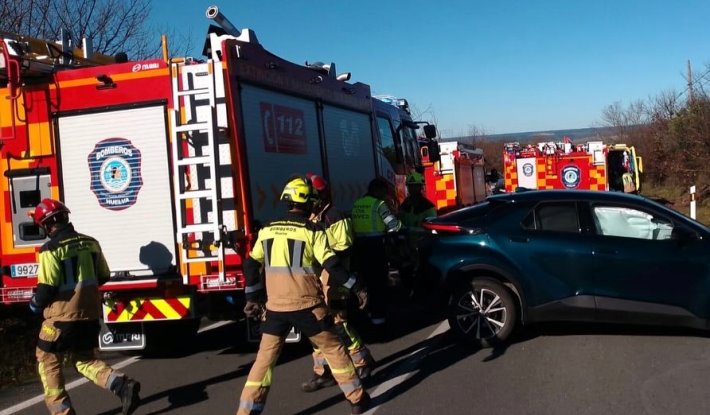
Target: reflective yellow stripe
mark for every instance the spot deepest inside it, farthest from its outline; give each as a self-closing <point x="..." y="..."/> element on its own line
<point x="162" y="305"/>
<point x="347" y="370"/>
<point x="168" y="310"/>
<point x="53" y="391"/>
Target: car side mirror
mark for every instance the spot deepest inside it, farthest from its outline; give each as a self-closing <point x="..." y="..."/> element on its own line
<point x="683" y="234"/>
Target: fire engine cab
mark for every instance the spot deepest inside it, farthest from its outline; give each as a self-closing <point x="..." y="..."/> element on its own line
<point x="563" y="165"/>
<point x="172" y="164"/>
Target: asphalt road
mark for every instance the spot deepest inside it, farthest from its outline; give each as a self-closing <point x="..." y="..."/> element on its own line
<point x="551" y="369"/>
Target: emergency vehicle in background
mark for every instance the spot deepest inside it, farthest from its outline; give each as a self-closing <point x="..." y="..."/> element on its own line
<point x="172" y="164"/>
<point x="563" y="165"/>
<point x="454" y="175"/>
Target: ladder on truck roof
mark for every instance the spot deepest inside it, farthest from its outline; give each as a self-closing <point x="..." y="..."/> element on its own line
<point x="23" y="57"/>
<point x="211" y="243"/>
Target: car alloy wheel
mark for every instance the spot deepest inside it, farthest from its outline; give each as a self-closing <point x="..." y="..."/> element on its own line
<point x="482" y="312"/>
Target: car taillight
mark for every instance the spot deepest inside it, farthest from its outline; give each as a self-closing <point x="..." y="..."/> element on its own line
<point x="444" y="228"/>
<point x="439" y="228"/>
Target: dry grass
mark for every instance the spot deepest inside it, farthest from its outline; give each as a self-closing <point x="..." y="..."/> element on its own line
<point x="18" y="338"/>
<point x="680" y="200"/>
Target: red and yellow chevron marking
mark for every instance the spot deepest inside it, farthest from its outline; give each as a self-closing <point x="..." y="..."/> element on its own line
<point x="445" y="191"/>
<point x="510" y="173"/>
<point x="143" y="309"/>
<point x="597" y="178"/>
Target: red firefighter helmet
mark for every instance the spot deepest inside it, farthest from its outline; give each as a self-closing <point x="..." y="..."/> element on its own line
<point x="317" y="181"/>
<point x="47" y="209"/>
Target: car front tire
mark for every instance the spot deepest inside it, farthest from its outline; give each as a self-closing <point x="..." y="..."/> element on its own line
<point x="482" y="312"/>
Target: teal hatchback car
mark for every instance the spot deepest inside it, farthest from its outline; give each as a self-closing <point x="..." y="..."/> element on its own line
<point x="564" y="255"/>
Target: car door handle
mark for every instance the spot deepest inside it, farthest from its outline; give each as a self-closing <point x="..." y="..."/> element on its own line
<point x="522" y="239"/>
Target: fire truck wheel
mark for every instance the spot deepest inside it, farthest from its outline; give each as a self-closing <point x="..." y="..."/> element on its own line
<point x="482" y="312"/>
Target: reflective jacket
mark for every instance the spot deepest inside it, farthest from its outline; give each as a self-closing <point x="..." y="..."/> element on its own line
<point x="293" y="252"/>
<point x="338" y="229"/>
<point x="71" y="268"/>
<point x="372" y="217"/>
<point x="413" y="212"/>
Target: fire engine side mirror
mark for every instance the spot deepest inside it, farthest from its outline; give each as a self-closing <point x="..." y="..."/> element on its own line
<point x="430" y="131"/>
<point x="433" y="148"/>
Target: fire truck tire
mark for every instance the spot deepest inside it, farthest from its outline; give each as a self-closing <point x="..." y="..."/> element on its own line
<point x="482" y="312"/>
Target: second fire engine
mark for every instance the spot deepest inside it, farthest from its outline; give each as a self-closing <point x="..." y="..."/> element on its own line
<point x="592" y="165"/>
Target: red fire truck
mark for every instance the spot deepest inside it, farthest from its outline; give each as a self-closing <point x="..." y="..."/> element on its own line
<point x="563" y="165"/>
<point x="455" y="176"/>
<point x="172" y="163"/>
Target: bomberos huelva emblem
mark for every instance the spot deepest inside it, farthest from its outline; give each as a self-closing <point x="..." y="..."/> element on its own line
<point x="528" y="169"/>
<point x="571" y="176"/>
<point x="115" y="167"/>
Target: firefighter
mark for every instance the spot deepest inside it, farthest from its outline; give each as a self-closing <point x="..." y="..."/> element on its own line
<point x="71" y="268"/>
<point x="416" y="207"/>
<point x="338" y="228"/>
<point x="372" y="222"/>
<point x="413" y="211"/>
<point x="291" y="251"/>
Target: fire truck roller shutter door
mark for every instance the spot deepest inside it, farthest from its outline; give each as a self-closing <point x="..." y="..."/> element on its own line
<point x="115" y="177"/>
<point x="527" y="172"/>
<point x="281" y="138"/>
<point x="351" y="158"/>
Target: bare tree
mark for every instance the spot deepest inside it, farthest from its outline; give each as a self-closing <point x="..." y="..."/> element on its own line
<point x="625" y="120"/>
<point x="112" y="25"/>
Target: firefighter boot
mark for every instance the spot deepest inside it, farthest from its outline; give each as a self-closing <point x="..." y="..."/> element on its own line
<point x="319" y="381"/>
<point x="127" y="389"/>
<point x="362" y="406"/>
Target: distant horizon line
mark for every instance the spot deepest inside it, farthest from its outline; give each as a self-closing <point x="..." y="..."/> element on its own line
<point x="571" y="132"/>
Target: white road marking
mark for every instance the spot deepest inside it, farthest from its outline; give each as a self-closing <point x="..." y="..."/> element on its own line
<point x="407" y="369"/>
<point x="74" y="384"/>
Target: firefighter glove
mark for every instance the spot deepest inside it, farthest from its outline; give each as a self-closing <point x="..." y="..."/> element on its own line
<point x="361" y="293"/>
<point x="34" y="307"/>
<point x="254" y="309"/>
<point x="338" y="298"/>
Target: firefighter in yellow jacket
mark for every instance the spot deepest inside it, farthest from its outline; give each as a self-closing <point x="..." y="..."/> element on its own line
<point x="292" y="251"/>
<point x="373" y="221"/>
<point x="71" y="268"/>
<point x="338" y="228"/>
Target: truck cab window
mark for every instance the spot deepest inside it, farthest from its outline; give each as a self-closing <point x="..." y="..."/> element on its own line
<point x="410" y="143"/>
<point x="387" y="139"/>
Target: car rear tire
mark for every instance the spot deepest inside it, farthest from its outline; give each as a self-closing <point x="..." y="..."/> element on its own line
<point x="482" y="312"/>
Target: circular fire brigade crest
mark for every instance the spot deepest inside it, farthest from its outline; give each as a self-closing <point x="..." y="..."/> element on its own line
<point x="115" y="167"/>
<point x="571" y="176"/>
<point x="528" y="169"/>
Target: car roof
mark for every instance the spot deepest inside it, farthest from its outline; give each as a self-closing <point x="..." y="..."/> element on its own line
<point x="537" y="195"/>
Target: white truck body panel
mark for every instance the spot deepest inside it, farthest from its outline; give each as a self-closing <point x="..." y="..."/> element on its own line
<point x="125" y="211"/>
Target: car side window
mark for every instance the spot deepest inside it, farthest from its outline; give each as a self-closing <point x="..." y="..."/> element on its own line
<point x="629" y="222"/>
<point x="553" y="216"/>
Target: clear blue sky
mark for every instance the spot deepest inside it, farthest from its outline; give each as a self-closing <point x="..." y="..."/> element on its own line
<point x="499" y="66"/>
